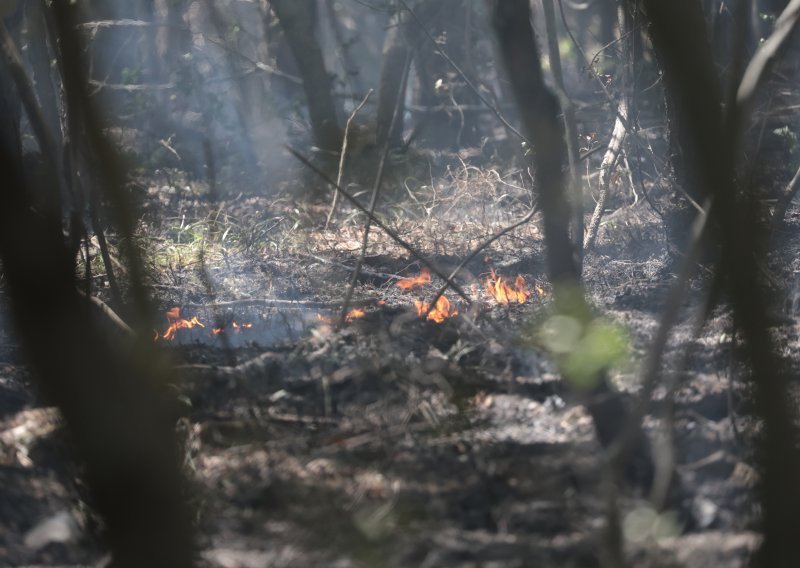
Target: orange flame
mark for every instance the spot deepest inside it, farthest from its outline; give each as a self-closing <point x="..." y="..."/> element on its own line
<point x="411" y="283"/>
<point x="506" y="293"/>
<point x="439" y="313"/>
<point x="236" y="327"/>
<point x="354" y="314"/>
<point x="176" y="322"/>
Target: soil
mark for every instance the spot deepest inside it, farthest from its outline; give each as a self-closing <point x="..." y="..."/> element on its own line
<point x="393" y="441"/>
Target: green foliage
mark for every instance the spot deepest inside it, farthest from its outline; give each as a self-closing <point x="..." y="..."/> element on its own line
<point x="583" y="350"/>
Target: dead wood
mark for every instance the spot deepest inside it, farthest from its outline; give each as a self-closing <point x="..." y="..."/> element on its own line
<point x="110" y="315"/>
<point x="282" y="304"/>
<point x="607" y="168"/>
<point x="195" y="375"/>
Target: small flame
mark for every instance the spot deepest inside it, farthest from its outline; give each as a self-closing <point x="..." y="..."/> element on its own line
<point x="440" y="313"/>
<point x="506" y="293"/>
<point x="236" y="327"/>
<point x="411" y="283"/>
<point x="176" y="322"/>
<point x="354" y="314"/>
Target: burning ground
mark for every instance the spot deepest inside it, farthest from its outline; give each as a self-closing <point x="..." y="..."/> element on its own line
<point x="420" y="433"/>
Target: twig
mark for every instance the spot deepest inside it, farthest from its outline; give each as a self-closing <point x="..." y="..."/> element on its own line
<point x="343" y="155"/>
<point x="391" y="233"/>
<point x="373" y="200"/>
<point x="784" y="27"/>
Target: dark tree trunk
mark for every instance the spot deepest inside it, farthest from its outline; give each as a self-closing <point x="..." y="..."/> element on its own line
<point x="708" y="146"/>
<point x="297" y="18"/>
<point x="109" y="394"/>
<point x="539" y="110"/>
<point x="397" y="53"/>
<point x="10" y="105"/>
<point x="439" y="84"/>
<point x="40" y="56"/>
<point x="686" y="64"/>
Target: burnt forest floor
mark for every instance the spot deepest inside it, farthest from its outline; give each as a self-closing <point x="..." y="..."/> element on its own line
<point x="394" y="441"/>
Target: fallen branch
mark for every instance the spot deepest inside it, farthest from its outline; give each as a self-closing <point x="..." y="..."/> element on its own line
<point x="110" y="315"/>
<point x="282" y="304"/>
<point x="261" y="365"/>
<point x="366" y="272"/>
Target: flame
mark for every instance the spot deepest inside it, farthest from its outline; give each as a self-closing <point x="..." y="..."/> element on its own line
<point x="176" y="322"/>
<point x="440" y="313"/>
<point x="411" y="283"/>
<point x="504" y="292"/>
<point x="236" y="327"/>
<point x="354" y="314"/>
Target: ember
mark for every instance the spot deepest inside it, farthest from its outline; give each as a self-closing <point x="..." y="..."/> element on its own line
<point x="504" y="292"/>
<point x="439" y="313"/>
<point x="411" y="283"/>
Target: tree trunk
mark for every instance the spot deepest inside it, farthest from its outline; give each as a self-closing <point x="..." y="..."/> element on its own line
<point x="685" y="65"/>
<point x="40" y="57"/>
<point x="107" y="394"/>
<point x="540" y="116"/>
<point x="708" y="146"/>
<point x="397" y="53"/>
<point x="297" y="18"/>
